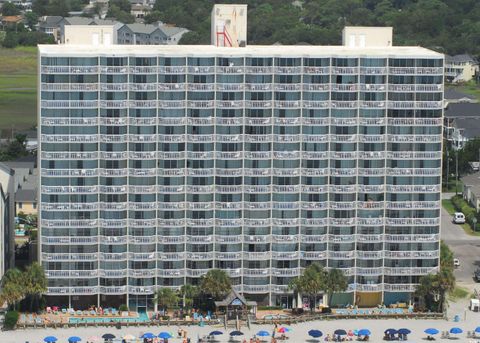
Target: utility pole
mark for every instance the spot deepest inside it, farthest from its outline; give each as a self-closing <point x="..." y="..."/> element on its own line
<point x="448" y="169"/>
<point x="456" y="172"/>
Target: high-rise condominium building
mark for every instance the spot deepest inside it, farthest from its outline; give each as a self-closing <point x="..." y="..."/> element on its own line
<point x="159" y="163"/>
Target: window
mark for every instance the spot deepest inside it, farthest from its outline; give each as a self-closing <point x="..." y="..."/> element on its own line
<point x="20" y="205"/>
<point x="34" y="205"/>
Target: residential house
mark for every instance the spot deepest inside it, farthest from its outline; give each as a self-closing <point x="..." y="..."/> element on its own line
<point x="10" y="21"/>
<point x="460" y="68"/>
<point x="149" y="34"/>
<point x="461" y="123"/>
<point x="471" y="189"/>
<point x="24" y="185"/>
<point x="140" y="11"/>
<point x="51" y="26"/>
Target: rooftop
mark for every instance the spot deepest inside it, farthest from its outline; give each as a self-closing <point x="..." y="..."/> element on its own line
<point x="453" y="94"/>
<point x="460" y="58"/>
<point x="470" y="126"/>
<point x="257" y="50"/>
<point x="26" y="195"/>
<point x="459" y="110"/>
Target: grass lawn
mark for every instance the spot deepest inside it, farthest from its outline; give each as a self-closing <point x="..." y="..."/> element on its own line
<point x="18" y="89"/>
<point x="458" y="293"/>
<point x="451" y="186"/>
<point x="448" y="205"/>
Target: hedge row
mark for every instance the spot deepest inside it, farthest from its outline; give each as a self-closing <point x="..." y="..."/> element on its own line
<point x="462" y="206"/>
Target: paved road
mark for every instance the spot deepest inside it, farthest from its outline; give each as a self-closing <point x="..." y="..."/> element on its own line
<point x="466" y="248"/>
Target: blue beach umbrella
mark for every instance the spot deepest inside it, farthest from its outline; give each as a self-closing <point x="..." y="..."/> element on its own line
<point x="165" y="335"/>
<point x="263" y="333"/>
<point x="477" y="330"/>
<point x="236" y="333"/>
<point x="216" y="333"/>
<point x="456" y="331"/>
<point x="74" y="339"/>
<point x="340" y="332"/>
<point x="404" y="331"/>
<point x="431" y="331"/>
<point x="390" y="332"/>
<point x="50" y="339"/>
<point x="364" y="332"/>
<point x="148" y="335"/>
<point x="315" y="333"/>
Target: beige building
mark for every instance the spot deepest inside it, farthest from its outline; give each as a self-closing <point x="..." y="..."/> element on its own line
<point x="91" y="34"/>
<point x="362" y="36"/>
<point x="471" y="190"/>
<point x="229" y="25"/>
<point x="460" y="68"/>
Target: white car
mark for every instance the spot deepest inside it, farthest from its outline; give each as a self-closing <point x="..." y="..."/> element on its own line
<point x="456" y="262"/>
<point x="458" y="218"/>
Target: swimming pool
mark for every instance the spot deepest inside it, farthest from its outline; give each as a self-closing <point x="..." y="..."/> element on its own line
<point x="142" y="318"/>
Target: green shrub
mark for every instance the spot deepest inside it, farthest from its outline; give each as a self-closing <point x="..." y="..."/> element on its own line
<point x="11" y="319"/>
<point x="123" y="307"/>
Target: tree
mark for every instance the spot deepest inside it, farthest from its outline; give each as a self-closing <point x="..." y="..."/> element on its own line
<point x="58" y="7"/>
<point x="121" y="16"/>
<point x="123" y="5"/>
<point x="188" y="294"/>
<point x="335" y="282"/>
<point x="13" y="287"/>
<point x="216" y="283"/>
<point x="31" y="19"/>
<point x="40" y="7"/>
<point x="310" y="283"/>
<point x="35" y="283"/>
<point x="165" y="298"/>
<point x="153" y="17"/>
<point x="10" y="40"/>
<point x="9" y="8"/>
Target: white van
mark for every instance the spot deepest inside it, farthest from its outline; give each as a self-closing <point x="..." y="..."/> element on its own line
<point x="458" y="218"/>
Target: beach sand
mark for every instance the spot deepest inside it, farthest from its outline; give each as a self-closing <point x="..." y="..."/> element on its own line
<point x="299" y="334"/>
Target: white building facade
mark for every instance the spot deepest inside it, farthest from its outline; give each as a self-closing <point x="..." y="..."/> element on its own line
<point x="159" y="163"/>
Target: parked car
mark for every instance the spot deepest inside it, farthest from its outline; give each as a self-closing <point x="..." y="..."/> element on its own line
<point x="476" y="275"/>
<point x="458" y="218"/>
<point x="456" y="262"/>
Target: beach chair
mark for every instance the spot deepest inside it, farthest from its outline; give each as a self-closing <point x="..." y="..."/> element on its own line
<point x="64" y="310"/>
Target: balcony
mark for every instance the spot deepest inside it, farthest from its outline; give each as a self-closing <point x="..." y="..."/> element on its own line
<point x="230" y="70"/>
<point x="201" y="70"/>
<point x="112" y="290"/>
<point x="69" y="69"/>
<point x="143" y="87"/>
<point x="316" y="70"/>
<point x="141" y="289"/>
<point x="172" y="70"/>
<point x="65" y="87"/>
<point x="143" y="70"/>
<point x="344" y="70"/>
<point x="315" y="104"/>
<point x="69" y="103"/>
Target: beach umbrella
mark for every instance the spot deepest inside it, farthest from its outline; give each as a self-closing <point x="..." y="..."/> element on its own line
<point x="216" y="333"/>
<point x="50" y="339"/>
<point x="315" y="333"/>
<point x="236" y="333"/>
<point x="390" y="332"/>
<point x="107" y="336"/>
<point x="74" y="339"/>
<point x="431" y="331"/>
<point x="148" y="335"/>
<point x="364" y="332"/>
<point x="165" y="335"/>
<point x="340" y="332"/>
<point x="404" y="331"/>
<point x="129" y="337"/>
<point x="477" y="330"/>
<point x="456" y="331"/>
<point x="263" y="333"/>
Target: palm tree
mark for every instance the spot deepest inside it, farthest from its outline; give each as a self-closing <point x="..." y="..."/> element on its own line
<point x="35" y="283"/>
<point x="216" y="283"/>
<point x="335" y="281"/>
<point x="310" y="283"/>
<point x="165" y="298"/>
<point x="13" y="289"/>
<point x="446" y="257"/>
<point x="188" y="294"/>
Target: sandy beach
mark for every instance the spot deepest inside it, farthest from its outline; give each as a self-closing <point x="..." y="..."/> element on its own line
<point x="468" y="322"/>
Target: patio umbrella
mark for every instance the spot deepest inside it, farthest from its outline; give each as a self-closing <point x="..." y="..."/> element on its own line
<point x="340" y="332"/>
<point x="456" y="331"/>
<point x="315" y="333"/>
<point x="477" y="330"/>
<point x="129" y="337"/>
<point x="74" y="339"/>
<point x="108" y="336"/>
<point x="390" y="332"/>
<point x="364" y="332"/>
<point x="50" y="339"/>
<point x="236" y="333"/>
<point x="216" y="333"/>
<point x="263" y="333"/>
<point x="165" y="335"/>
<point x="431" y="331"/>
<point x="404" y="331"/>
<point x="148" y="335"/>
